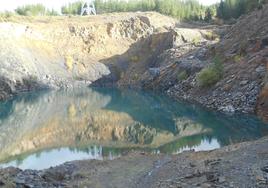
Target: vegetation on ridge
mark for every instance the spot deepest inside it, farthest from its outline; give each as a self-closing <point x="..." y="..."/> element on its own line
<point x="35" y="10"/>
<point x="235" y="8"/>
<point x="185" y="10"/>
<point x="211" y="74"/>
<point x="190" y="10"/>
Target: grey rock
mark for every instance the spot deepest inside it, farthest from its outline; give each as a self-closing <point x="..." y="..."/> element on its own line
<point x="244" y="82"/>
<point x="260" y="69"/>
<point x="19" y="180"/>
<point x="227" y="109"/>
<point x="222" y="179"/>
<point x="265" y="169"/>
<point x="154" y="71"/>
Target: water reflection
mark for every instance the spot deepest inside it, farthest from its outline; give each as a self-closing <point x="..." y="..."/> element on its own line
<point x="54" y="157"/>
<point x="96" y="123"/>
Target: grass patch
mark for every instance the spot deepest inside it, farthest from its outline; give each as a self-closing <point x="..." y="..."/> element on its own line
<point x="196" y="40"/>
<point x="211" y="74"/>
<point x="134" y="59"/>
<point x="211" y="36"/>
<point x="237" y="58"/>
<point x="136" y="77"/>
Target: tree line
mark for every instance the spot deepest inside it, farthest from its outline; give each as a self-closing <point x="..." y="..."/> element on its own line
<point x="235" y="8"/>
<point x="189" y="10"/>
<point x="181" y="9"/>
<point x="185" y="10"/>
<point x="35" y="10"/>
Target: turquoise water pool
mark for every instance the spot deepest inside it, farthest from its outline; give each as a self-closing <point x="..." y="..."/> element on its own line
<point x="47" y="128"/>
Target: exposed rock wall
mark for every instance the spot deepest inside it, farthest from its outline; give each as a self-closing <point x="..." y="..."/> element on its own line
<point x="140" y="50"/>
<point x="67" y="52"/>
<point x="242" y="50"/>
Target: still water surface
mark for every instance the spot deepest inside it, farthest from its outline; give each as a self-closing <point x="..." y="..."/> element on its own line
<point x="43" y="129"/>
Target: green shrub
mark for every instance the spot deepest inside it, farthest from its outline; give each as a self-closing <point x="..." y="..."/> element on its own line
<point x="196" y="41"/>
<point x="182" y="76"/>
<point x="211" y="36"/>
<point x="237" y="58"/>
<point x="211" y="74"/>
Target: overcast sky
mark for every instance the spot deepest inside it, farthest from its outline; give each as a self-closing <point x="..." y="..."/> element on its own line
<point x="55" y="4"/>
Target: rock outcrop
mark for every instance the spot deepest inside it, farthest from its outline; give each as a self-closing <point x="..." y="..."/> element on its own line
<point x="243" y="51"/>
<point x="139" y="50"/>
<point x="67" y="52"/>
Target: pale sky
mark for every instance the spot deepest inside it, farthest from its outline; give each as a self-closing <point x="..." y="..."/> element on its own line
<point x="55" y="4"/>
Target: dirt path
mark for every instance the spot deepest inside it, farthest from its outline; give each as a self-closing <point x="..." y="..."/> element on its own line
<point x="241" y="165"/>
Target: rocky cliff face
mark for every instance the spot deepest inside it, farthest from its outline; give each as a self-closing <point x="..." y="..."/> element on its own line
<point x="67" y="52"/>
<point x="243" y="52"/>
<point x="140" y="50"/>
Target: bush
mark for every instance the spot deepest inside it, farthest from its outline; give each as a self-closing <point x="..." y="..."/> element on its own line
<point x="182" y="76"/>
<point x="196" y="41"/>
<point x="134" y="59"/>
<point x="210" y="36"/>
<point x="237" y="58"/>
<point x="210" y="75"/>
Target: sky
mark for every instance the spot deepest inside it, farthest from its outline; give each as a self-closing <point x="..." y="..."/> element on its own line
<point x="55" y="4"/>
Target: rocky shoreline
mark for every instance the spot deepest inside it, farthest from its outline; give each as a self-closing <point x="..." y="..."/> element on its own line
<point x="240" y="165"/>
<point x="243" y="86"/>
<point x="142" y="53"/>
<point x="158" y="54"/>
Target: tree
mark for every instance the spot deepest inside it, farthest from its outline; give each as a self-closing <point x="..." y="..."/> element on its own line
<point x="235" y="8"/>
<point x="208" y="15"/>
<point x="181" y="9"/>
<point x="72" y="8"/>
<point x="220" y="10"/>
<point x="31" y="10"/>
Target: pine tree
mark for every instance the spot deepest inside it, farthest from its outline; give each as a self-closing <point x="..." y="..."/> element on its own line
<point x="208" y="15"/>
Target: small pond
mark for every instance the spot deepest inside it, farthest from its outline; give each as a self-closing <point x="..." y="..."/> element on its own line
<point x="47" y="128"/>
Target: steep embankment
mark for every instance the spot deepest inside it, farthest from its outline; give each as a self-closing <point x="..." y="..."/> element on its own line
<point x="243" y="51"/>
<point x="65" y="52"/>
<point x="141" y="50"/>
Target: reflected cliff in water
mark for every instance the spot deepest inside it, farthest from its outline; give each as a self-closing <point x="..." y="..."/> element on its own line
<point x="47" y="128"/>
